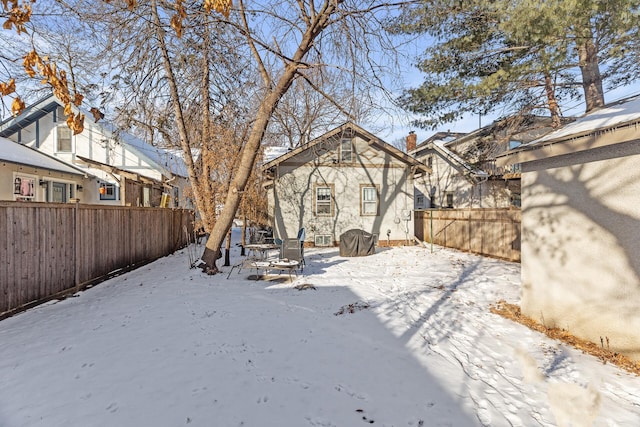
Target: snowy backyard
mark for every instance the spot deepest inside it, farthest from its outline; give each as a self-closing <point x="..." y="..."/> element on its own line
<point x="400" y="338"/>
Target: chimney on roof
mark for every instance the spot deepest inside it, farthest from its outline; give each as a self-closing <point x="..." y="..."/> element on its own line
<point x="412" y="139"/>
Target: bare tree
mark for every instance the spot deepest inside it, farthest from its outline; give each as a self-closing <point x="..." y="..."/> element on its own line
<point x="212" y="81"/>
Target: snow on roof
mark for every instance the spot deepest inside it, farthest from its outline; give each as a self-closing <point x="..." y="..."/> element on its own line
<point x="612" y="115"/>
<point x="170" y="160"/>
<point x="17" y="153"/>
<point x="271" y="152"/>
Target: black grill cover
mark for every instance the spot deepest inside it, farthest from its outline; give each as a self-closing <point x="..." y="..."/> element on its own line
<point x="357" y="243"/>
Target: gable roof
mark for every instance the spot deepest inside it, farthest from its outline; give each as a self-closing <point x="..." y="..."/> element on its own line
<point x="610" y="116"/>
<point x="438" y="142"/>
<point x="166" y="162"/>
<point x="587" y="128"/>
<point x="444" y="137"/>
<point x="35" y="111"/>
<point x="349" y="126"/>
<point x="14" y="152"/>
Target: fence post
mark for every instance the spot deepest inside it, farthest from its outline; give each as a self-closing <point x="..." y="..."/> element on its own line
<point x="431" y="229"/>
<point x="76" y="243"/>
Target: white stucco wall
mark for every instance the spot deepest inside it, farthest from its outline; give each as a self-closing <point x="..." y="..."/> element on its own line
<point x="101" y="145"/>
<point x="580" y="244"/>
<point x="448" y="177"/>
<point x="293" y="194"/>
<point x="94" y="142"/>
<point x="9" y="171"/>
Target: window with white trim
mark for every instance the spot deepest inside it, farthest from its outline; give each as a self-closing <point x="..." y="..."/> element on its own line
<point x="323" y="240"/>
<point x="368" y="200"/>
<point x="346" y="150"/>
<point x="63" y="142"/>
<point x="108" y="191"/>
<point x="323" y="201"/>
<point x="24" y="188"/>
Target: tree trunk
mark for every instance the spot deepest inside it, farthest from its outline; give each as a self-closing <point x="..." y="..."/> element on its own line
<point x="243" y="237"/>
<point x="590" y="69"/>
<point x="245" y="168"/>
<point x="180" y="121"/>
<point x="227" y="250"/>
<point x="275" y="90"/>
<point x="552" y="102"/>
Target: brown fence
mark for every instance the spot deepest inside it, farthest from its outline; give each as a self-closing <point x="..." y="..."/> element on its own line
<point x="53" y="249"/>
<point x="491" y="232"/>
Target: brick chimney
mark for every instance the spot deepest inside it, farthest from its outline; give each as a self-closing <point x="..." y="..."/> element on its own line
<point x="412" y="139"/>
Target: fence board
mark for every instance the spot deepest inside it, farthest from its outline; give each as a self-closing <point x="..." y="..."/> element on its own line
<point x="54" y="249"/>
<point x="491" y="232"/>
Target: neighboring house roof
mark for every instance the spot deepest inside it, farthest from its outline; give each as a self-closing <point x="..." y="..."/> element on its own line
<point x="271" y="152"/>
<point x="443" y="137"/>
<point x="372" y="139"/>
<point x="523" y="128"/>
<point x="437" y="142"/>
<point x="587" y="128"/>
<point x="115" y="170"/>
<point x="440" y="147"/>
<point x="612" y="115"/>
<point x="167" y="162"/>
<point x="14" y="152"/>
<point x="35" y="111"/>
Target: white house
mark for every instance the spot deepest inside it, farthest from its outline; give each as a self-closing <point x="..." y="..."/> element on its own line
<point x="581" y="227"/>
<point x="345" y="179"/>
<point x="29" y="175"/>
<point x="128" y="171"/>
<point x="464" y="170"/>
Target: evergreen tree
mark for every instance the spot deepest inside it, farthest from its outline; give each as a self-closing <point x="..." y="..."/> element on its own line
<point x="525" y="56"/>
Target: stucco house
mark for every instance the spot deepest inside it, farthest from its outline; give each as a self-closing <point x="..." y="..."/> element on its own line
<point x="464" y="171"/>
<point x="128" y="170"/>
<point x="581" y="226"/>
<point x="29" y="175"/>
<point x="346" y="179"/>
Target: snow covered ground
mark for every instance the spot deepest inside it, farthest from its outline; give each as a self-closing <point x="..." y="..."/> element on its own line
<point x="400" y="338"/>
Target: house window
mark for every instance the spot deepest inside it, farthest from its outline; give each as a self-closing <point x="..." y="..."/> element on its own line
<point x="430" y="162"/>
<point x="24" y="188"/>
<point x="107" y="191"/>
<point x="449" y="199"/>
<point x="368" y="200"/>
<point x="346" y="150"/>
<point x="323" y="240"/>
<point x="323" y="201"/>
<point x="420" y="202"/>
<point x="64" y="139"/>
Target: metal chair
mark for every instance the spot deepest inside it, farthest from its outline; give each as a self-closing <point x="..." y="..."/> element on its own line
<point x="292" y="250"/>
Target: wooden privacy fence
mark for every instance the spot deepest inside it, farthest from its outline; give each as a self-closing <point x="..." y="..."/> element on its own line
<point x="54" y="249"/>
<point x="491" y="232"/>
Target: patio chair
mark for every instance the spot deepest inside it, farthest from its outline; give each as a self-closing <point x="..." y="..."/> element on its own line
<point x="292" y="250"/>
<point x="302" y="234"/>
<point x="278" y="241"/>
